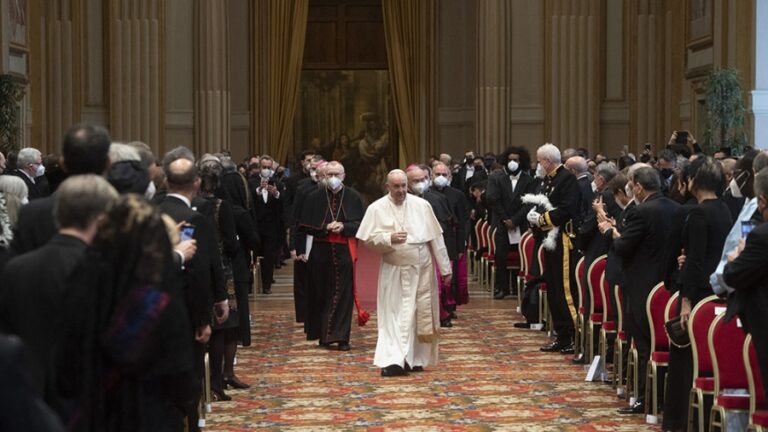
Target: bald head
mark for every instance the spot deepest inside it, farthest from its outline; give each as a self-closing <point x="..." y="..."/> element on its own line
<point x="181" y="175"/>
<point x="577" y="165"/>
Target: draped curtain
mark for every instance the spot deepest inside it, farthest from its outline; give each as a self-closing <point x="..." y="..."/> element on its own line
<point x="280" y="33"/>
<point x="409" y="28"/>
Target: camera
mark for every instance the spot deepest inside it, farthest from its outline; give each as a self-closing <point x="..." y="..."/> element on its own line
<point x="682" y="137"/>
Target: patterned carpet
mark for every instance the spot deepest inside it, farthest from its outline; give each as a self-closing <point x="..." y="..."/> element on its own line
<point x="491" y="377"/>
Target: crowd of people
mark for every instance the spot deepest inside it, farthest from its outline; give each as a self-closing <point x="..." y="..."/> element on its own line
<point x="121" y="269"/>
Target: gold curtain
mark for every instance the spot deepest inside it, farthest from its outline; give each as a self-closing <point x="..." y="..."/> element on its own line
<point x="409" y="28"/>
<point x="279" y="42"/>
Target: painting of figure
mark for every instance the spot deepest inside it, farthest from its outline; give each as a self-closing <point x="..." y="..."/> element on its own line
<point x="699" y="22"/>
<point x="346" y="115"/>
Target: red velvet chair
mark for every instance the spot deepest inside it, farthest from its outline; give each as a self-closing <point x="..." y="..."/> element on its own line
<point x="473" y="247"/>
<point x="490" y="260"/>
<point x="594" y="275"/>
<point x="543" y="302"/>
<point x="609" y="326"/>
<point x="525" y="250"/>
<point x="726" y="347"/>
<point x="581" y="311"/>
<point x="758" y="406"/>
<point x="513" y="262"/>
<point x="619" y="342"/>
<point x="700" y="399"/>
<point x="655" y="307"/>
<point x="483" y="251"/>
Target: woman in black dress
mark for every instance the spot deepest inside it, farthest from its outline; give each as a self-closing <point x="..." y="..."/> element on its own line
<point x="704" y="234"/>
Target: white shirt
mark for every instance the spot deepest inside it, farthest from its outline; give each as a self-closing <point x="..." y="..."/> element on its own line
<point x="181" y="197"/>
<point x="513" y="179"/>
<point x="470" y="172"/>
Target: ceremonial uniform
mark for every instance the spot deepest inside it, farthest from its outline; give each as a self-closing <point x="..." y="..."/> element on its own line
<point x="556" y="227"/>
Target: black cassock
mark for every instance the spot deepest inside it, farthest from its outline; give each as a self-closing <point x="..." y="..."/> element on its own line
<point x="330" y="267"/>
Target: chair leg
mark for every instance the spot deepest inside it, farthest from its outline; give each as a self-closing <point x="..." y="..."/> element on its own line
<point x="618" y="367"/>
<point x="716" y="419"/>
<point x="578" y="336"/>
<point x="492" y="283"/>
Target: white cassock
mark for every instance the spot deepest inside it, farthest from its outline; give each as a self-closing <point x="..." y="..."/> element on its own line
<point x="407" y="298"/>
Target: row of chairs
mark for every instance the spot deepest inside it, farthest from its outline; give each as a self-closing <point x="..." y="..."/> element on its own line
<point x="481" y="253"/>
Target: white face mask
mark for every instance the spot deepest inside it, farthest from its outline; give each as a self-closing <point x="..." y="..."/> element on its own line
<point x="150" y="192"/>
<point x="313" y="175"/>
<point x="419" y="188"/>
<point x="735" y="190"/>
<point x="441" y="181"/>
<point x="540" y="171"/>
<point x="628" y="191"/>
<point x="40" y="171"/>
<point x="594" y="186"/>
<point x="334" y="183"/>
<point x="512" y="166"/>
<point x="266" y="173"/>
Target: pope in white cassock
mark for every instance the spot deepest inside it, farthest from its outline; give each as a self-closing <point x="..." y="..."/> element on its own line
<point x="405" y="231"/>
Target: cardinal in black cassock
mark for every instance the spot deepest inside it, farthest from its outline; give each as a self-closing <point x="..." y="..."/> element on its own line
<point x="331" y="216"/>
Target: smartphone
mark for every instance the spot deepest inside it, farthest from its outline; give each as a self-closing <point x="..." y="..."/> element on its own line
<point x="746" y="227"/>
<point x="187" y="232"/>
<point x="682" y="137"/>
<point x="271" y="182"/>
<point x="648" y="146"/>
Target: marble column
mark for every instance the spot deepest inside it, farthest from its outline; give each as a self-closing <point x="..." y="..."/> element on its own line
<point x="137" y="71"/>
<point x="494" y="94"/>
<point x="212" y="89"/>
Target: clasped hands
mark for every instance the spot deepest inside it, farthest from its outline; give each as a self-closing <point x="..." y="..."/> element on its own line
<point x="334" y="227"/>
<point x="533" y="217"/>
<point x="398" y="237"/>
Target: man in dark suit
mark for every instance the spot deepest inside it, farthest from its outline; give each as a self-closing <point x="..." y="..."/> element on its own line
<point x="471" y="172"/>
<point x="555" y="229"/>
<point x="591" y="243"/>
<point x="85" y="151"/>
<point x="268" y="204"/>
<point x="441" y="179"/>
<point x="30" y="299"/>
<point x="747" y="273"/>
<point x="204" y="284"/>
<point x="508" y="216"/>
<point x="642" y="246"/>
<point x="30" y="168"/>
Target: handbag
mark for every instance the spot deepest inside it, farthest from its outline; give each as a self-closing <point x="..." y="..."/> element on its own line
<point x="678" y="335"/>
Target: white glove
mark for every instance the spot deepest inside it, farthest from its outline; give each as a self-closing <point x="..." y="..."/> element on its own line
<point x="533" y="217"/>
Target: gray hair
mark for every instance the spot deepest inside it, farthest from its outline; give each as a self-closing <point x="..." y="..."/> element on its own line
<point x="568" y="153"/>
<point x="228" y="164"/>
<point x="550" y="152"/>
<point x="648" y="178"/>
<point x="180" y="152"/>
<point x="607" y="170"/>
<point x="13" y="185"/>
<point x="760" y="162"/>
<point x="119" y="152"/>
<point x="26" y="156"/>
<point x="80" y="199"/>
<point x="633" y="168"/>
<point x="761" y="183"/>
<point x="145" y="152"/>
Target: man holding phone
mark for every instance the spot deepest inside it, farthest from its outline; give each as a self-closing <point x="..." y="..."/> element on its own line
<point x="203" y="276"/>
<point x="268" y="205"/>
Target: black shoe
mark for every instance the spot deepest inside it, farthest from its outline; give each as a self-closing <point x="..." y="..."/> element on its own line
<point x="219" y="395"/>
<point x="453" y="315"/>
<point x="524" y="325"/>
<point x="555" y="346"/>
<point x="500" y="295"/>
<point x="408" y="368"/>
<point x="393" y="370"/>
<point x="579" y="359"/>
<point x="637" y="408"/>
<point x="568" y="349"/>
<point x="235" y="383"/>
<point x="344" y="346"/>
<point x="446" y="323"/>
